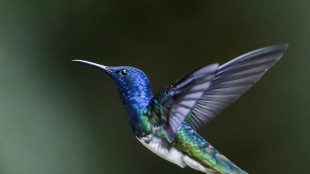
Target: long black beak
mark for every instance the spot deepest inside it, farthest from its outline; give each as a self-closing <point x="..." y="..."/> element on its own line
<point x="105" y="68"/>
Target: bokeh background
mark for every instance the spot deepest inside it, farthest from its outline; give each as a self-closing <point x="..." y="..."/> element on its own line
<point x="57" y="116"/>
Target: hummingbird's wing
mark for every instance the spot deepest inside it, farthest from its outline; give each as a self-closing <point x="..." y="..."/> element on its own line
<point x="182" y="96"/>
<point x="201" y="95"/>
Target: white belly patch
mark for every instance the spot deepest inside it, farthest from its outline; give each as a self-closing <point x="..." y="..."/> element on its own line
<point x="173" y="155"/>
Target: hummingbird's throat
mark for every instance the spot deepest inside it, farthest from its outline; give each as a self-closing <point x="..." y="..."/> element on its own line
<point x="135" y="102"/>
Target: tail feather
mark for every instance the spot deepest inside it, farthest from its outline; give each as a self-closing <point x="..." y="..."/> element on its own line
<point x="198" y="149"/>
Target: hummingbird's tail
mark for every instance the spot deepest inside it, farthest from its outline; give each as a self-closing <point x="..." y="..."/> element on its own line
<point x="216" y="163"/>
<point x="225" y="166"/>
<point x="200" y="155"/>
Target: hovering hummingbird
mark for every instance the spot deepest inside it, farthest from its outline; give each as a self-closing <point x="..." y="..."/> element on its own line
<point x="167" y="123"/>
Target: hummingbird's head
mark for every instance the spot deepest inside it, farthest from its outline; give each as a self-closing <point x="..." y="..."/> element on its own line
<point x="129" y="79"/>
<point x="132" y="84"/>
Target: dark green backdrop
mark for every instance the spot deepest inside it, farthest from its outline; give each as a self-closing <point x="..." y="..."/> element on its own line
<point x="59" y="117"/>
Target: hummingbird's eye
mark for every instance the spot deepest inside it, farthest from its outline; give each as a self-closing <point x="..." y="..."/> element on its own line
<point x="123" y="72"/>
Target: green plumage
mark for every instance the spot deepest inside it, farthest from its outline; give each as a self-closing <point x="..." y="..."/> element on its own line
<point x="187" y="140"/>
<point x="192" y="144"/>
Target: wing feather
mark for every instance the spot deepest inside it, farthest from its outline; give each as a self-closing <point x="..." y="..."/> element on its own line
<point x="232" y="80"/>
<point x="200" y="96"/>
<point x="183" y="96"/>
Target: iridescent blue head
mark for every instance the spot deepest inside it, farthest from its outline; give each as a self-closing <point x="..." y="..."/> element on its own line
<point x="132" y="85"/>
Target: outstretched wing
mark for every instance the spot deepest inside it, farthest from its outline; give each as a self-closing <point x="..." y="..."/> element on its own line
<point x="233" y="79"/>
<point x="201" y="95"/>
<point x="182" y="97"/>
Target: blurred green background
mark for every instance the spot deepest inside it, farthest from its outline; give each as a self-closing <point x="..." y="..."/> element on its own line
<point x="60" y="117"/>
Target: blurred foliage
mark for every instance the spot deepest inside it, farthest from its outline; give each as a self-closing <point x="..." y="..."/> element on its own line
<point x="60" y="117"/>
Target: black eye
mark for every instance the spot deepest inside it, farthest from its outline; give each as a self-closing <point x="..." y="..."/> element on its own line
<point x="123" y="72"/>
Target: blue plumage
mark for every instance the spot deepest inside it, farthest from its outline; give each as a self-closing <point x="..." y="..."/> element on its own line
<point x="134" y="89"/>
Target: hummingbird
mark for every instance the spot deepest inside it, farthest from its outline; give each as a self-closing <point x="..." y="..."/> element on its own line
<point x="167" y="123"/>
